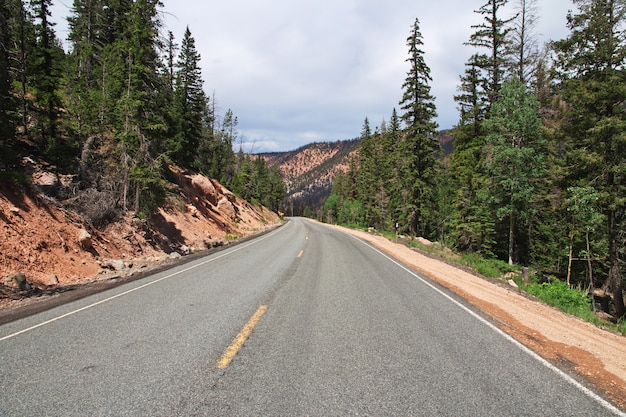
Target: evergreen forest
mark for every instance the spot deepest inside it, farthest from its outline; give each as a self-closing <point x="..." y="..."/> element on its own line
<point x="124" y="103"/>
<point x="537" y="176"/>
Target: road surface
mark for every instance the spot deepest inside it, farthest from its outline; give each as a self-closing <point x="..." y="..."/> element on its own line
<point x="304" y="320"/>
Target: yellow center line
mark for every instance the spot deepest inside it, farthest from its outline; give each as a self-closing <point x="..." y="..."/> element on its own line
<point x="239" y="340"/>
<point x="300" y="254"/>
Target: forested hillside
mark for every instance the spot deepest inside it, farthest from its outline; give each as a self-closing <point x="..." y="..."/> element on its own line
<point x="538" y="172"/>
<point x="309" y="172"/>
<point x="115" y="111"/>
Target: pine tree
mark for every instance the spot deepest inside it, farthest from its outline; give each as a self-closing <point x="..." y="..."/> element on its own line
<point x="420" y="145"/>
<point x="492" y="35"/>
<point x="591" y="64"/>
<point x="141" y="119"/>
<point x="7" y="102"/>
<point x="190" y="104"/>
<point x="367" y="176"/>
<point x="470" y="220"/>
<point x="171" y="49"/>
<point x="393" y="143"/>
<point x="48" y="57"/>
<point x="473" y="220"/>
<point x="472" y="103"/>
<point x="21" y="52"/>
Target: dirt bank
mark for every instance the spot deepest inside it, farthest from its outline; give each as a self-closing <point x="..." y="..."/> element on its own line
<point x="56" y="249"/>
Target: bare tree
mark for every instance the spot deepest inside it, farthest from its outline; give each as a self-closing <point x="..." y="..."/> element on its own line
<point x="524" y="48"/>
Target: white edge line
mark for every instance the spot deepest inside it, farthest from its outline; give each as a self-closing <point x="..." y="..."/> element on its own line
<point x="237" y="248"/>
<point x="604" y="403"/>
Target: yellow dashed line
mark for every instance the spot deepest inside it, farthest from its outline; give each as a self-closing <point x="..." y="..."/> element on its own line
<point x="239" y="340"/>
<point x="300" y="254"/>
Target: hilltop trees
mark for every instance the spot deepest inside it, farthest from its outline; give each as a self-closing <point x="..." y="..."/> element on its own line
<point x="151" y="95"/>
<point x="256" y="182"/>
<point x="115" y="66"/>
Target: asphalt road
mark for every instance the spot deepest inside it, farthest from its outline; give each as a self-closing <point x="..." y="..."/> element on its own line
<point x="338" y="329"/>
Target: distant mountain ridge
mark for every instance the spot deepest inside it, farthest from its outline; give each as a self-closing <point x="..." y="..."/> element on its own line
<point x="309" y="171"/>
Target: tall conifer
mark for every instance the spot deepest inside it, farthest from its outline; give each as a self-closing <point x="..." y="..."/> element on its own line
<point x="48" y="58"/>
<point x="420" y="145"/>
<point x="190" y="103"/>
<point x="7" y="102"/>
<point x="493" y="36"/>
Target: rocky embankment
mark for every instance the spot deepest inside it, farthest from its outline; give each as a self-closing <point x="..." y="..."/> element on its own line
<point x="45" y="247"/>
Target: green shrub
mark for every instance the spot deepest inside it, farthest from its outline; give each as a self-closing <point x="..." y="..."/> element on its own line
<point x="559" y="294"/>
<point x="14" y="177"/>
<point x="492" y="268"/>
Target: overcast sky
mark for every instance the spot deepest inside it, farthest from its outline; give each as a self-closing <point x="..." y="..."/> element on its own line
<point x="295" y="72"/>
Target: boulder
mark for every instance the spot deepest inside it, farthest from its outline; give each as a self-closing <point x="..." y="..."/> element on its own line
<point x="192" y="210"/>
<point x="17" y="281"/>
<point x="84" y="239"/>
<point x="204" y="188"/>
<point x="114" y="264"/>
<point x="224" y="191"/>
<point x="226" y="209"/>
<point x="45" y="178"/>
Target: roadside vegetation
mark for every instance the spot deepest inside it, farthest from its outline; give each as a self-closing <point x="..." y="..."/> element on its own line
<point x="577" y="302"/>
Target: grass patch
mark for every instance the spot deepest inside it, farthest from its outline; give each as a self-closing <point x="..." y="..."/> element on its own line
<point x="572" y="301"/>
<point x="491" y="268"/>
<point x="232" y="236"/>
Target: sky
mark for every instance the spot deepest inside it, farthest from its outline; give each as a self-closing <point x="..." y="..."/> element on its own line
<point x="295" y="72"/>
